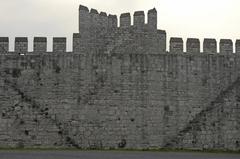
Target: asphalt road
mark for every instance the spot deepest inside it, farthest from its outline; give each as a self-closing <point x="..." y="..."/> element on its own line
<point x="111" y="155"/>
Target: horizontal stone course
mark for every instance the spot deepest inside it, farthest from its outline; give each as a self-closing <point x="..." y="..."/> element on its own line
<point x="59" y="39"/>
<point x="4" y="39"/>
<point x="139" y="13"/>
<point x="40" y="39"/>
<point x="125" y="15"/>
<point x="21" y="39"/>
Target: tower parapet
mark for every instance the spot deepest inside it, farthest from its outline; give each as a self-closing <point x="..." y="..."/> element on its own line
<point x="210" y="46"/>
<point x="40" y="44"/>
<point x="112" y="21"/>
<point x="92" y="22"/>
<point x="139" y="18"/>
<point x="226" y="46"/>
<point x="21" y="45"/>
<point x="193" y="45"/>
<point x="152" y="18"/>
<point x="4" y="44"/>
<point x="125" y="20"/>
<point x="59" y="44"/>
<point x="84" y="19"/>
<point x="103" y="20"/>
<point x="176" y="45"/>
<point x="95" y="19"/>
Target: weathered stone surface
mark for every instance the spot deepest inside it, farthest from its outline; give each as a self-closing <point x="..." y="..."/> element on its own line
<point x="81" y="7"/>
<point x="40" y="44"/>
<point x="210" y="46"/>
<point x="152" y="18"/>
<point x="4" y="44"/>
<point x="59" y="44"/>
<point x="193" y="45"/>
<point x="237" y="46"/>
<point x="4" y="39"/>
<point x="119" y="88"/>
<point x="21" y="45"/>
<point x="125" y="20"/>
<point x="139" y="18"/>
<point x="176" y="45"/>
<point x="226" y="46"/>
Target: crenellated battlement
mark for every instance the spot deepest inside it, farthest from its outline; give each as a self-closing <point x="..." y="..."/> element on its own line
<point x="209" y="46"/>
<point x="139" y="18"/>
<point x="59" y="44"/>
<point x="92" y="19"/>
<point x="95" y="20"/>
<point x="4" y="44"/>
<point x="226" y="46"/>
<point x="176" y="45"/>
<point x="39" y="45"/>
<point x="99" y="31"/>
<point x="120" y="88"/>
<point x="112" y="21"/>
<point x="152" y="18"/>
<point x="21" y="44"/>
<point x="237" y="46"/>
<point x="125" y="20"/>
<point x="193" y="45"/>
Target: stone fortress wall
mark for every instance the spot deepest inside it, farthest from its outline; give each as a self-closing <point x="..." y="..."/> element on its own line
<point x="120" y="88"/>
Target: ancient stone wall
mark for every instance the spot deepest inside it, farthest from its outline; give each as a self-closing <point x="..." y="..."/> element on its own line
<point x="111" y="101"/>
<point x="120" y="88"/>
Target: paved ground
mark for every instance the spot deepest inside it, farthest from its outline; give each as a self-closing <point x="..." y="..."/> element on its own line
<point x="110" y="155"/>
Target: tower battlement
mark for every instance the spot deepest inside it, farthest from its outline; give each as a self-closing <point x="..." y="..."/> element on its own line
<point x="94" y="19"/>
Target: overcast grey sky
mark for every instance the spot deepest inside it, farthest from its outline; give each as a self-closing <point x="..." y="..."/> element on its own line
<point x="182" y="18"/>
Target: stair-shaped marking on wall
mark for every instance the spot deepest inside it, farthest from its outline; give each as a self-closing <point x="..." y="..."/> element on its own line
<point x="200" y="116"/>
<point x="36" y="106"/>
